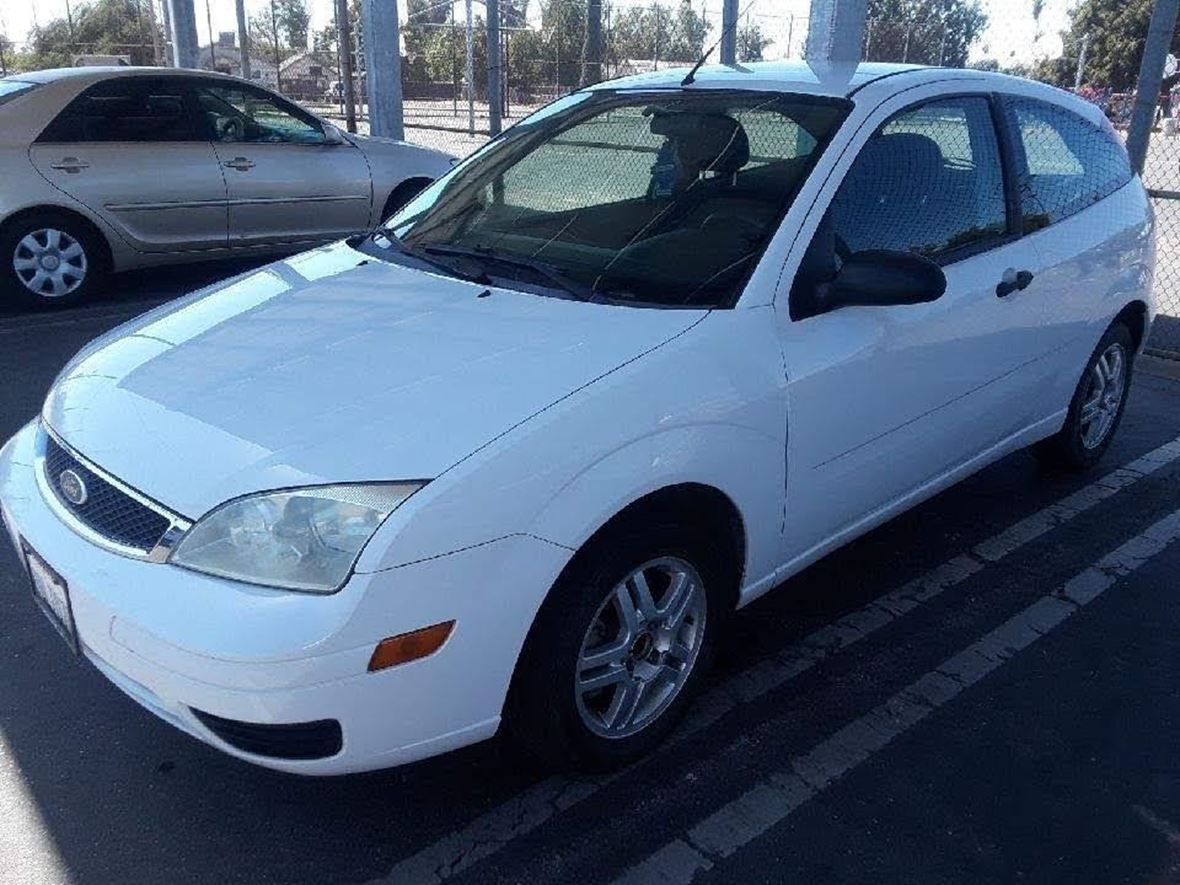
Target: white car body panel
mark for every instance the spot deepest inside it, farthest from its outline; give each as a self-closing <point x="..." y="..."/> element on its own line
<point x="536" y="420"/>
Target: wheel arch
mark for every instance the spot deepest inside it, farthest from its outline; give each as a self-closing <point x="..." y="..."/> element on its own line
<point x="404" y="191"/>
<point x="1134" y="317"/>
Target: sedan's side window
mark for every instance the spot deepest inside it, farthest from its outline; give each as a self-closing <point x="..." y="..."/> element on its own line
<point x="1069" y="163"/>
<point x="930" y="181"/>
<point x="127" y="109"/>
<point x="236" y="113"/>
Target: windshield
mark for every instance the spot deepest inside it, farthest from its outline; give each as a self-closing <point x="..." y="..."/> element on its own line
<point x="10" y="89"/>
<point x="658" y="198"/>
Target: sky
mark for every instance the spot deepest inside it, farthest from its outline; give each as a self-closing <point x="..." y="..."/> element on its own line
<point x="1011" y="37"/>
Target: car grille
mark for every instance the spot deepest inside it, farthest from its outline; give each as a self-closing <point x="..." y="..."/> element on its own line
<point x="296" y="740"/>
<point x="106" y="510"/>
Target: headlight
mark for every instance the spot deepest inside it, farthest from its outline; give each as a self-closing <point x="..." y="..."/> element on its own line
<point x="299" y="539"/>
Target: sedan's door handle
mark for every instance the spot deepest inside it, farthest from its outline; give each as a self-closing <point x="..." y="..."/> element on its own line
<point x="69" y="164"/>
<point x="240" y="163"/>
<point x="1014" y="281"/>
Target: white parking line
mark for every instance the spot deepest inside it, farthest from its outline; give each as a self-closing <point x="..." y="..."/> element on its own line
<point x="529" y="809"/>
<point x="776" y="796"/>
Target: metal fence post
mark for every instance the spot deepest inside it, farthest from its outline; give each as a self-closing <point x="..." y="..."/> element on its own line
<point x="243" y="38"/>
<point x="495" y="102"/>
<point x="1151" y="75"/>
<point x="592" y="66"/>
<point x="184" y="33"/>
<point x="344" y="42"/>
<point x="729" y="17"/>
<point x="835" y="33"/>
<point x="469" y="70"/>
<point x="383" y="68"/>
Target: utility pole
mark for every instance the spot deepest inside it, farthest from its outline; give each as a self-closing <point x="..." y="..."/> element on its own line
<point x="1082" y="55"/>
<point x="344" y="39"/>
<point x="729" y="24"/>
<point x="383" y="68"/>
<point x="592" y="55"/>
<point x="243" y="39"/>
<point x="835" y="33"/>
<point x="184" y="33"/>
<point x="212" y="42"/>
<point x="495" y="103"/>
<point x="274" y="28"/>
<point x="1151" y="76"/>
<point x="157" y="50"/>
<point x="469" y="71"/>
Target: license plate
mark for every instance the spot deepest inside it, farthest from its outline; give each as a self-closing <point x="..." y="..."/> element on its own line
<point x="53" y="595"/>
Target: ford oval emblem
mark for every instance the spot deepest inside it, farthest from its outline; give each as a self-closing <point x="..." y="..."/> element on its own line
<point x="72" y="487"/>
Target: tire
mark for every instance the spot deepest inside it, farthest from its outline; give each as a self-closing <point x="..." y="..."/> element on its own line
<point x="555" y="724"/>
<point x="49" y="260"/>
<point x="1094" y="412"/>
<point x="403" y="193"/>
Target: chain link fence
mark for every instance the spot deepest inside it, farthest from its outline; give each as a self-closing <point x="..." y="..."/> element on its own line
<point x="1161" y="174"/>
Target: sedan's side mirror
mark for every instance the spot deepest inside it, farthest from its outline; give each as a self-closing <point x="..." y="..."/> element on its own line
<point x="879" y="278"/>
<point x="332" y="135"/>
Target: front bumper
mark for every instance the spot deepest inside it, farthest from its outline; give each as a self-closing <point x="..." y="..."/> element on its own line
<point x="176" y="641"/>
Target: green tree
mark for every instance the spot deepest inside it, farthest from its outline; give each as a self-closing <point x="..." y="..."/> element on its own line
<point x="661" y="32"/>
<point x="934" y="32"/>
<point x="103" y="27"/>
<point x="751" y="42"/>
<point x="1117" y="29"/>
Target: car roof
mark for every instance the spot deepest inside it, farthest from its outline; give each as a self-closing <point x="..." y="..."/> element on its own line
<point x="799" y="76"/>
<point x="101" y="72"/>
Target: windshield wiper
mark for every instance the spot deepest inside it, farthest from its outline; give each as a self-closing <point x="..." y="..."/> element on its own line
<point x="487" y="254"/>
<point x="382" y="237"/>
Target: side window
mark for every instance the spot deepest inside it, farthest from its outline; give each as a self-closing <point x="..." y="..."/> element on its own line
<point x="128" y="109"/>
<point x="1070" y="163"/>
<point x="236" y="113"/>
<point x="929" y="181"/>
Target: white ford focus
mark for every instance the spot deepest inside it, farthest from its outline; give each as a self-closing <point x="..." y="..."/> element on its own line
<point x="513" y="459"/>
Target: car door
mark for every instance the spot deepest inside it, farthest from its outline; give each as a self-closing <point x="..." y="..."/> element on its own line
<point x="287" y="181"/>
<point x="887" y="401"/>
<point x="127" y="149"/>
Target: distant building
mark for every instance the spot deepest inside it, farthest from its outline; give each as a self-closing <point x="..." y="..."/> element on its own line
<point x="102" y="61"/>
<point x="309" y="75"/>
<point x="223" y="56"/>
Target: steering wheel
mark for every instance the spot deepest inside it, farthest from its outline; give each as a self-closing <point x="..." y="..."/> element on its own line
<point x="231" y="129"/>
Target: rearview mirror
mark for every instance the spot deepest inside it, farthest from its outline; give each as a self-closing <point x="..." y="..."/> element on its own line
<point x="878" y="278"/>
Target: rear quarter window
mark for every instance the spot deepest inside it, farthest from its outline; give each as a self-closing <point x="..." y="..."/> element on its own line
<point x="1068" y="162"/>
<point x="10" y="89"/>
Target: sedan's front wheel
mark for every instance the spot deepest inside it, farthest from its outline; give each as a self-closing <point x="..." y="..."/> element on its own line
<point x="619" y="648"/>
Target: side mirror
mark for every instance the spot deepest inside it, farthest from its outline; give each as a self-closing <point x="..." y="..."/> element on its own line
<point x="332" y="135"/>
<point x="878" y="278"/>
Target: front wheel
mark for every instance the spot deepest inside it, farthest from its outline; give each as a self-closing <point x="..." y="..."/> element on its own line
<point x="618" y="649"/>
<point x="1097" y="406"/>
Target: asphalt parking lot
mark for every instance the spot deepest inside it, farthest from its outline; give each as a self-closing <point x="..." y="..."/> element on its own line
<point x="983" y="690"/>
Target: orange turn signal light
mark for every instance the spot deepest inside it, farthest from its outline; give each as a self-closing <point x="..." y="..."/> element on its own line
<point x="410" y="646"/>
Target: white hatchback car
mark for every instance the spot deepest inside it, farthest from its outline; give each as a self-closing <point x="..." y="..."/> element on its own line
<point x="631" y="365"/>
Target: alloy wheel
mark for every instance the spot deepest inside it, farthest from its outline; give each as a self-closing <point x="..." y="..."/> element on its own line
<point x="50" y="263"/>
<point x="641" y="648"/>
<point x="1104" y="396"/>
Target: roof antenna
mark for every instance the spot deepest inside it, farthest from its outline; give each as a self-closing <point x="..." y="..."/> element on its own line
<point x="691" y="76"/>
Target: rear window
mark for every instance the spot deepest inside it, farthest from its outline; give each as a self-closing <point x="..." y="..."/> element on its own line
<point x="10" y="89"/>
<point x="130" y="109"/>
<point x="1069" y="163"/>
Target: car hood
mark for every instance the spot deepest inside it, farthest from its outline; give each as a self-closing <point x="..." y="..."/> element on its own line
<point x="331" y="367"/>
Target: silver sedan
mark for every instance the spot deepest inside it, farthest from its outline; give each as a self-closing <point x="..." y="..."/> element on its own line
<point x="106" y="169"/>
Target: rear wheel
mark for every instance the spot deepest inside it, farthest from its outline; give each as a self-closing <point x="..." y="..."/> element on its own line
<point x="49" y="260"/>
<point x="1097" y="406"/>
<point x="619" y="648"/>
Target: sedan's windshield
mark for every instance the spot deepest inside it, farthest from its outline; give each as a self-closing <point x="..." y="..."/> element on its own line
<point x="660" y="198"/>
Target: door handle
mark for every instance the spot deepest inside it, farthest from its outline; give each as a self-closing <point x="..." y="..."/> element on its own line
<point x="1013" y="281"/>
<point x="240" y="163"/>
<point x="70" y="165"/>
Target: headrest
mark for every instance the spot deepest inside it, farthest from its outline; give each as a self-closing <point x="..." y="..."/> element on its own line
<point x="714" y="143"/>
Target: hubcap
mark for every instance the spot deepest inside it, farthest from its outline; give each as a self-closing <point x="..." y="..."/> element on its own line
<point x="50" y="263"/>
<point x="1104" y="396"/>
<point x="641" y="647"/>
